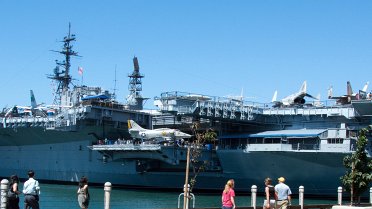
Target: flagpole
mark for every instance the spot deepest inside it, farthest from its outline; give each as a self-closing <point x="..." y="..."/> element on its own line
<point x="81" y="72"/>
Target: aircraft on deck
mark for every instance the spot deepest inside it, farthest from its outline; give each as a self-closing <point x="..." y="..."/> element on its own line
<point x="35" y="109"/>
<point x="346" y="99"/>
<point x="237" y="99"/>
<point x="317" y="102"/>
<point x="136" y="131"/>
<point x="297" y="98"/>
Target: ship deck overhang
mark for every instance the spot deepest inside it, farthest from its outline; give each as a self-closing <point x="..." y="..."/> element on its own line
<point x="302" y="133"/>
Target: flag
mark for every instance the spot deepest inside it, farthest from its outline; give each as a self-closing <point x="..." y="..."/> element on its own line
<point x="80" y="70"/>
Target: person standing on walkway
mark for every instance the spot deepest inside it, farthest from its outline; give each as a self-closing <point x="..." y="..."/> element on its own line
<point x="283" y="193"/>
<point x="13" y="201"/>
<point x="31" y="190"/>
<point x="228" y="195"/>
<point x="83" y="193"/>
<point x="270" y="196"/>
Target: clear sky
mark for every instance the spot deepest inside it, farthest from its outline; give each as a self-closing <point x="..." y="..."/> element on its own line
<point x="208" y="47"/>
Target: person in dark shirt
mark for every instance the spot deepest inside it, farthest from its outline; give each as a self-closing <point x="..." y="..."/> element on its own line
<point x="13" y="203"/>
<point x="270" y="196"/>
<point x="83" y="193"/>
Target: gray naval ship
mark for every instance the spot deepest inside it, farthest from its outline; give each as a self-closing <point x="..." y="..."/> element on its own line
<point x="85" y="132"/>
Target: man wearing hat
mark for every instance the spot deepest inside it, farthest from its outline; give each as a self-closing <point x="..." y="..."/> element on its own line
<point x="283" y="193"/>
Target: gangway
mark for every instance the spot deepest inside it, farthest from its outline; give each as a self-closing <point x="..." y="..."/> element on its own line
<point x="126" y="147"/>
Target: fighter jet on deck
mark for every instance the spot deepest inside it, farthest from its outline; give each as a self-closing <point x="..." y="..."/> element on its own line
<point x="346" y="99"/>
<point x="35" y="109"/>
<point x="138" y="132"/>
<point x="293" y="99"/>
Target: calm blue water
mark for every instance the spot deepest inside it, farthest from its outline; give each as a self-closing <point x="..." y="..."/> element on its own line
<point x="64" y="196"/>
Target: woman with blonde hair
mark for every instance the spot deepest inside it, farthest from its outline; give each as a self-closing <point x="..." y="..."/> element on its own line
<point x="228" y="195"/>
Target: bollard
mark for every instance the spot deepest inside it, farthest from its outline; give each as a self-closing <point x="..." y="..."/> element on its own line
<point x="4" y="189"/>
<point x="186" y="191"/>
<point x="189" y="196"/>
<point x="339" y="191"/>
<point x="301" y="191"/>
<point x="370" y="195"/>
<point x="107" y="189"/>
<point x="253" y="196"/>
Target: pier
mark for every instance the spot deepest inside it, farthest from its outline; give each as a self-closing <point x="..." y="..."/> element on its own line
<point x="103" y="197"/>
<point x="190" y="202"/>
<point x="320" y="206"/>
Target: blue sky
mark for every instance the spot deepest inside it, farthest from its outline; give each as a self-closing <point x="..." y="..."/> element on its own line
<point x="209" y="47"/>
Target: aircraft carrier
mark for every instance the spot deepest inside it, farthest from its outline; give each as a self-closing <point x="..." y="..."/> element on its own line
<point x="85" y="132"/>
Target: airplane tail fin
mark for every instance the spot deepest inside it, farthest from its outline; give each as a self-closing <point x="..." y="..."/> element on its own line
<point x="349" y="90"/>
<point x="241" y="95"/>
<point x="318" y="97"/>
<point x="275" y="96"/>
<point x="33" y="100"/>
<point x="330" y="92"/>
<point x="134" y="125"/>
<point x="317" y="102"/>
<point x="303" y="88"/>
<point x="365" y="87"/>
<point x="129" y="125"/>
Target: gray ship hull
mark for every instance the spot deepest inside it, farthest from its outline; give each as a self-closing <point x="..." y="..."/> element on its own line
<point x="318" y="172"/>
<point x="65" y="157"/>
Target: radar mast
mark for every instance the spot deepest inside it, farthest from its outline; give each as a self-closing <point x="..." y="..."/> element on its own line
<point x="63" y="77"/>
<point x="135" y="99"/>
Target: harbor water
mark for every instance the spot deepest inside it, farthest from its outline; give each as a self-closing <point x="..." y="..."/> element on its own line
<point x="65" y="196"/>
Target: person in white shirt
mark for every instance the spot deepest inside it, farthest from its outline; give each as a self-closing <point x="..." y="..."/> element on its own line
<point x="283" y="193"/>
<point x="31" y="190"/>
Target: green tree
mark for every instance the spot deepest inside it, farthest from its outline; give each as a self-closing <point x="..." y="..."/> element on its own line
<point x="359" y="169"/>
<point x="201" y="138"/>
<point x="194" y="154"/>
